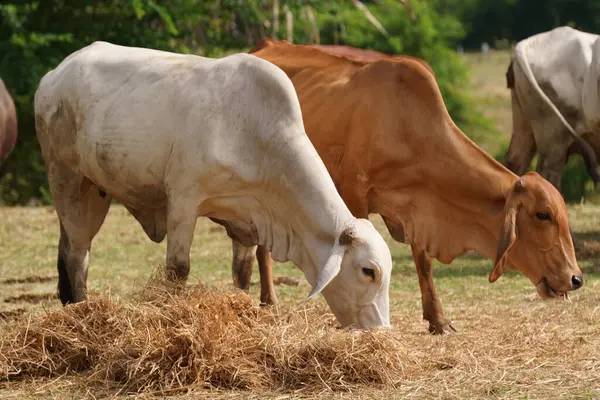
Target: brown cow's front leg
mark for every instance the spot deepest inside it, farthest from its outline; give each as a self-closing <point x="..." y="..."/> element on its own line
<point x="432" y="306"/>
<point x="265" y="267"/>
<point x="243" y="258"/>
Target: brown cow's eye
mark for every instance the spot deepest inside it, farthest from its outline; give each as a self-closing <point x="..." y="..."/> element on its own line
<point x="369" y="272"/>
<point x="543" y="217"/>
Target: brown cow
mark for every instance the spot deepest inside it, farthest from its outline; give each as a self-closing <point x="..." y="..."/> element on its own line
<point x="388" y="142"/>
<point x="351" y="52"/>
<point x="8" y="123"/>
<point x="357" y="54"/>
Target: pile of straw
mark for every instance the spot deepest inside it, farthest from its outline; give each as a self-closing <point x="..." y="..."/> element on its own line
<point x="175" y="337"/>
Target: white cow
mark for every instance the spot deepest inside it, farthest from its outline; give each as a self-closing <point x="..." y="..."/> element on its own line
<point x="546" y="77"/>
<point x="174" y="137"/>
<point x="591" y="91"/>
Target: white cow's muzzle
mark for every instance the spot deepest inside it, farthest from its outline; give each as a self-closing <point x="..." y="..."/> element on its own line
<point x="369" y="317"/>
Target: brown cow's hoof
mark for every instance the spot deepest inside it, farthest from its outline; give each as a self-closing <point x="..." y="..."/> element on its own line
<point x="268" y="300"/>
<point x="441" y="326"/>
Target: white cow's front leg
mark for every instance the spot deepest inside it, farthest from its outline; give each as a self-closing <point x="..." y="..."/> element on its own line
<point x="241" y="267"/>
<point x="181" y="222"/>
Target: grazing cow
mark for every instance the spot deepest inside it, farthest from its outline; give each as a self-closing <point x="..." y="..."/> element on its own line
<point x="174" y="137"/>
<point x="392" y="149"/>
<point x="8" y="123"/>
<point x="352" y="52"/>
<point x="590" y="98"/>
<point x="546" y="78"/>
<point x="362" y="54"/>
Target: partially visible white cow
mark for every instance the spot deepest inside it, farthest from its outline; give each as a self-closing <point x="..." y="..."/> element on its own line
<point x="591" y="91"/>
<point x="174" y="137"/>
<point x="546" y="77"/>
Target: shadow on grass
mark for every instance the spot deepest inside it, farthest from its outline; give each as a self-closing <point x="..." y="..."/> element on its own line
<point x="451" y="271"/>
<point x="404" y="266"/>
<point x="594" y="235"/>
<point x="587" y="251"/>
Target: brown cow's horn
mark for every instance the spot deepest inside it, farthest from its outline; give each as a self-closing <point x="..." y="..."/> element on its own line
<point x="520" y="185"/>
<point x="347" y="237"/>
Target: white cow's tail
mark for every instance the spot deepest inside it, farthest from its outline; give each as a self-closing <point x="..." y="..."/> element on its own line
<point x="586" y="151"/>
<point x="521" y="59"/>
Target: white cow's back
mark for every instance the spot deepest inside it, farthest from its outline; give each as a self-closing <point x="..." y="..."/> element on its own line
<point x="591" y="90"/>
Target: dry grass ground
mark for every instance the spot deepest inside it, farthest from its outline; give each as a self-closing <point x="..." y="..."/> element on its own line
<point x="510" y="343"/>
<point x="488" y="88"/>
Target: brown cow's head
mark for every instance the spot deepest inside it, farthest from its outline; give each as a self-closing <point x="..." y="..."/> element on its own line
<point x="535" y="238"/>
<point x="8" y="123"/>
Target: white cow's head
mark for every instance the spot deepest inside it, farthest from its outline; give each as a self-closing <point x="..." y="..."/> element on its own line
<point x="355" y="279"/>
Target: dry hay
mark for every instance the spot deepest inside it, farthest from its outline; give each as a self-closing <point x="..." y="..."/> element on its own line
<point x="173" y="337"/>
<point x="169" y="339"/>
<point x="280" y="281"/>
<point x="11" y="314"/>
<point x="284" y="280"/>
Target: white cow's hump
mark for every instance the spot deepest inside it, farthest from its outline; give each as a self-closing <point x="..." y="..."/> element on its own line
<point x="559" y="45"/>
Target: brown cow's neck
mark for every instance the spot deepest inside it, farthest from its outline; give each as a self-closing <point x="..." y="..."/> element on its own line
<point x="483" y="184"/>
<point x="456" y="201"/>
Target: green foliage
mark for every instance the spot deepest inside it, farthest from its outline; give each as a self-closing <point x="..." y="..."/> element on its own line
<point x="576" y="182"/>
<point x="36" y="35"/>
<point x="418" y="30"/>
<point x="514" y="20"/>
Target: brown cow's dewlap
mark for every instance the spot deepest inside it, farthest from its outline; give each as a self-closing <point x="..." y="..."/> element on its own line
<point x="170" y="337"/>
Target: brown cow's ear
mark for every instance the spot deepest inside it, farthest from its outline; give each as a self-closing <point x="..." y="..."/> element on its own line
<point x="508" y="235"/>
<point x="519" y="186"/>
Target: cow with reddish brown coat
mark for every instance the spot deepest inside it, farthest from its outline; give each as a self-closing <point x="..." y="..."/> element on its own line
<point x="8" y="124"/>
<point x="391" y="147"/>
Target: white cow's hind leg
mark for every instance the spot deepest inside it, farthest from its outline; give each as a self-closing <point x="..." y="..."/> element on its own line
<point x="522" y="146"/>
<point x="181" y="222"/>
<point x="81" y="209"/>
<point x="551" y="165"/>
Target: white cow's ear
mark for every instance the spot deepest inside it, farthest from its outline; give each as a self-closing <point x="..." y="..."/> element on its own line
<point x="333" y="265"/>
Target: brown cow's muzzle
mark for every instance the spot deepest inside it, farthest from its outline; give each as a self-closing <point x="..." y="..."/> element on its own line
<point x="546" y="291"/>
<point x="576" y="282"/>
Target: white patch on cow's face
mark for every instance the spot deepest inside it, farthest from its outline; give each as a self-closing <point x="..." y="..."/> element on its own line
<point x="355" y="297"/>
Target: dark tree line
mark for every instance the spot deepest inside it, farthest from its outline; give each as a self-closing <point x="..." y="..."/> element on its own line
<point x="509" y="21"/>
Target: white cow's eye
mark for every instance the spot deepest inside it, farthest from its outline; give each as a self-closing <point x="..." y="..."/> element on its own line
<point x="369" y="272"/>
